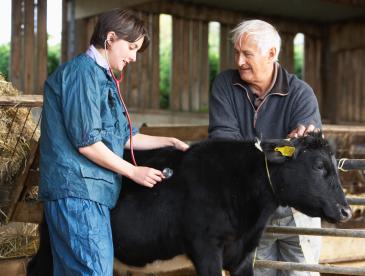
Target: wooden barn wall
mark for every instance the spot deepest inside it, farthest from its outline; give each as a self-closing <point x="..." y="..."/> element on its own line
<point x="312" y="66"/>
<point x="226" y="49"/>
<point x="140" y="86"/>
<point x="190" y="67"/>
<point x="347" y="84"/>
<point x="184" y="78"/>
<point x="190" y="63"/>
<point x="28" y="69"/>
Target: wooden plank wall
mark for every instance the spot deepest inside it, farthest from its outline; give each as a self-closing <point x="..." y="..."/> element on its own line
<point x="226" y="51"/>
<point x="28" y="47"/>
<point x="286" y="56"/>
<point x="347" y="46"/>
<point x="312" y="65"/>
<point x="190" y="67"/>
<point x="323" y="69"/>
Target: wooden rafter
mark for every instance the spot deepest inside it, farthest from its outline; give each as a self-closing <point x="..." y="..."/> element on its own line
<point x="358" y="3"/>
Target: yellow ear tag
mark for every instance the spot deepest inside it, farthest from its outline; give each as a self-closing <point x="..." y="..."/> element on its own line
<point x="286" y="150"/>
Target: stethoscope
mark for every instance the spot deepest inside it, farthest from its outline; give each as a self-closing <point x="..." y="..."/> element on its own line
<point x="167" y="172"/>
<point x="117" y="83"/>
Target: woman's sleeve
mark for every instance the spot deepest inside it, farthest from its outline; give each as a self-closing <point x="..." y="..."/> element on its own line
<point x="81" y="106"/>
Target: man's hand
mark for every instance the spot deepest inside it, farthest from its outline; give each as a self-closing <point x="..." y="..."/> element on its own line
<point x="301" y="130"/>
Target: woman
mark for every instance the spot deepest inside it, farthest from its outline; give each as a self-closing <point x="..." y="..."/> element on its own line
<point x="84" y="130"/>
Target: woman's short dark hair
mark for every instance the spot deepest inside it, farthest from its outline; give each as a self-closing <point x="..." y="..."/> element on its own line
<point x="124" y="23"/>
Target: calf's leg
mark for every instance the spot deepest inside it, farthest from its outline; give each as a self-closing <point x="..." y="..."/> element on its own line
<point x="206" y="258"/>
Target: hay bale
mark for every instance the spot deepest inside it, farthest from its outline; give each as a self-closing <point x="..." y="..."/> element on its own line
<point x="18" y="239"/>
<point x="17" y="130"/>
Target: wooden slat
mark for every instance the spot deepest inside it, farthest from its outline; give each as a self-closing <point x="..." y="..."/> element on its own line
<point x="185" y="68"/>
<point x="176" y="73"/>
<point x="287" y="51"/>
<point x="145" y="77"/>
<point x="223" y="48"/>
<point x="20" y="180"/>
<point x="41" y="45"/>
<point x="28" y="212"/>
<point x="195" y="65"/>
<point x="207" y="13"/>
<point x="204" y="67"/>
<point x="29" y="47"/>
<point x="312" y="65"/>
<point x="16" y="44"/>
<point x="64" y="37"/>
<point x="22" y="101"/>
<point x="187" y="133"/>
<point x="155" y="56"/>
<point x="81" y="41"/>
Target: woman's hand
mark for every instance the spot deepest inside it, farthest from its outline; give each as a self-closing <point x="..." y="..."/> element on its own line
<point x="146" y="176"/>
<point x="178" y="144"/>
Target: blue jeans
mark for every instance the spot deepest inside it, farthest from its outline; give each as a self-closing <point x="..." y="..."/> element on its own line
<point x="80" y="236"/>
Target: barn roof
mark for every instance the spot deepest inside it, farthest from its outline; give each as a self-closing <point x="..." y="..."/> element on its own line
<point x="306" y="10"/>
<point x="314" y="11"/>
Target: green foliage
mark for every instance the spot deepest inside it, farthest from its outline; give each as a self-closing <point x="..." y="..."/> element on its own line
<point x="165" y="60"/>
<point x="213" y="42"/>
<point x="53" y="60"/>
<point x="298" y="60"/>
<point x="5" y="60"/>
<point x="54" y="57"/>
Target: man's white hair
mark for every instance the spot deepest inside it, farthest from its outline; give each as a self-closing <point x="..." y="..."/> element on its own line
<point x="262" y="32"/>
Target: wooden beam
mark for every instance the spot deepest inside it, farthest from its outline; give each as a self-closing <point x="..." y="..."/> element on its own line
<point x="204" y="67"/>
<point x="41" y="75"/>
<point x="29" y="49"/>
<point x="20" y="180"/>
<point x="357" y="3"/>
<point x="28" y="212"/>
<point x="155" y="47"/>
<point x="228" y="17"/>
<point x="22" y="101"/>
<point x="64" y="36"/>
<point x="187" y="133"/>
<point x="16" y="44"/>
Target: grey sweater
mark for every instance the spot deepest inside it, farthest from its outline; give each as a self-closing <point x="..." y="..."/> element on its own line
<point x="232" y="113"/>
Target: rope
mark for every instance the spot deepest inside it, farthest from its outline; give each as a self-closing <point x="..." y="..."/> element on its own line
<point x="341" y="163"/>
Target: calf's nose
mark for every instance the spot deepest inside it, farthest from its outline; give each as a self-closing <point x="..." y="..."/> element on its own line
<point x="346" y="213"/>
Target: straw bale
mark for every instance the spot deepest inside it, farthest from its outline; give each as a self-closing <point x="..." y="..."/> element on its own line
<point x="18" y="240"/>
<point x="17" y="129"/>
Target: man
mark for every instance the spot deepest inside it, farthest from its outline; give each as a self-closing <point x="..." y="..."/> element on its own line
<point x="261" y="99"/>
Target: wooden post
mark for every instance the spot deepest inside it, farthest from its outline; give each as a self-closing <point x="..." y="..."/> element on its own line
<point x="29" y="49"/>
<point x="155" y="49"/>
<point x="177" y="59"/>
<point x="16" y="44"/>
<point x="312" y="65"/>
<point x="204" y="67"/>
<point x="287" y="51"/>
<point x="41" y="45"/>
<point x="64" y="37"/>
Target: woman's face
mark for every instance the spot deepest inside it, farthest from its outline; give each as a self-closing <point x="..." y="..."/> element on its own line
<point x="122" y="52"/>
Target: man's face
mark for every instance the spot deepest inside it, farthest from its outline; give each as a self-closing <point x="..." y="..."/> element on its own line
<point x="253" y="66"/>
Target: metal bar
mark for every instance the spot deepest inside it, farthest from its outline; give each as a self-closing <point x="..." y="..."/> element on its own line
<point x="316" y="231"/>
<point x="345" y="164"/>
<point x="356" y="200"/>
<point x="310" y="267"/>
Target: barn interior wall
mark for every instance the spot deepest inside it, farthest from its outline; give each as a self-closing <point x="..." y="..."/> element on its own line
<point x="347" y="83"/>
<point x="28" y="69"/>
<point x="327" y="52"/>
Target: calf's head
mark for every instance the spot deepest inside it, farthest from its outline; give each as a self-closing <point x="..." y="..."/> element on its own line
<point x="305" y="176"/>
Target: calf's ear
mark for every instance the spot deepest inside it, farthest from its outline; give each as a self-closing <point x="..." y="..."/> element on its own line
<point x="277" y="151"/>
